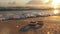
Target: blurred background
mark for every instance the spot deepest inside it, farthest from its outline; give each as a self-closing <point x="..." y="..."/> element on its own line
<point x="29" y="3"/>
<point x="15" y="14"/>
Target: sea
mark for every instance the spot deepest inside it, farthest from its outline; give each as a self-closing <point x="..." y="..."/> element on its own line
<point x="24" y="13"/>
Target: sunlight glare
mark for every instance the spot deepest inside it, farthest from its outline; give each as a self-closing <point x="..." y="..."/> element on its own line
<point x="56" y="11"/>
<point x="55" y="3"/>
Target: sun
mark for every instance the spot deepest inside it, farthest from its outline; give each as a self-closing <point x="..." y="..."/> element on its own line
<point x="56" y="11"/>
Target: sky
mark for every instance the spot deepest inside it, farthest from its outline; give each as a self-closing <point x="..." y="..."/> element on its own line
<point x="10" y="2"/>
<point x="23" y="3"/>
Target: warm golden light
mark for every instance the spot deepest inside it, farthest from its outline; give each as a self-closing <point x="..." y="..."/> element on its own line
<point x="56" y="11"/>
<point x="48" y="32"/>
<point x="46" y="1"/>
<point x="55" y="3"/>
